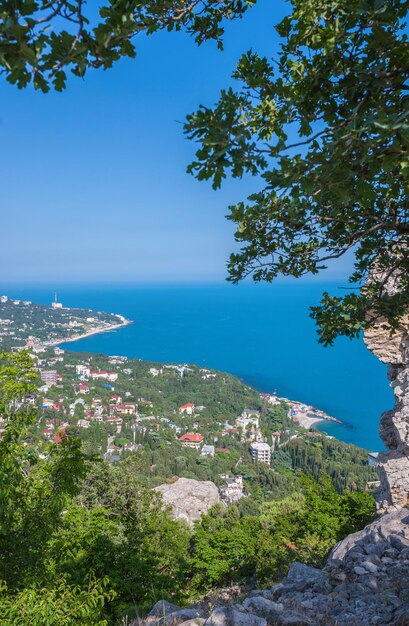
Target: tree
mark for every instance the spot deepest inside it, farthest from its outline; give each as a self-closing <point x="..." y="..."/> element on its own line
<point x="41" y="39"/>
<point x="34" y="487"/>
<point x="325" y="126"/>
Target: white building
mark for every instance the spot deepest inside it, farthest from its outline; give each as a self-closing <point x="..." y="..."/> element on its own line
<point x="232" y="490"/>
<point x="187" y="409"/>
<point x="261" y="452"/>
<point x="207" y="450"/>
<point x="83" y="370"/>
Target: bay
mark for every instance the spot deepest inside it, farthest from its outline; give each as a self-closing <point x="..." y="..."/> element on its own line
<point x="261" y="333"/>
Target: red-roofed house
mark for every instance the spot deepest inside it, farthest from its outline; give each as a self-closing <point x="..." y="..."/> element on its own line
<point x="84" y="388"/>
<point x="58" y="437"/>
<point x="191" y="440"/>
<point x="116" y="398"/>
<point x="187" y="409"/>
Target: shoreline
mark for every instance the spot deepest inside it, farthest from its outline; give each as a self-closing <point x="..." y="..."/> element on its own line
<point x="96" y="331"/>
<point x="306" y="415"/>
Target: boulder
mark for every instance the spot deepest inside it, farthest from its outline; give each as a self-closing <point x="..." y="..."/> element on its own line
<point x="167" y="614"/>
<point x="378" y="534"/>
<point x="227" y="616"/>
<point x="189" y="499"/>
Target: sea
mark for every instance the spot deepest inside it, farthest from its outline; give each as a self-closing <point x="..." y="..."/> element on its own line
<point x="261" y="333"/>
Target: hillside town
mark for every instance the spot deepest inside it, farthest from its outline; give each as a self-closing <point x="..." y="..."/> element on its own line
<point x="121" y="407"/>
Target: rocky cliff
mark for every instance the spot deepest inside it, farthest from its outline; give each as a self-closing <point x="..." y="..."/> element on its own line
<point x="394" y="426"/>
<point x="189" y="499"/>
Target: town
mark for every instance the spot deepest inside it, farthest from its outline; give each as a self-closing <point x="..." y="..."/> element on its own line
<point x="176" y="419"/>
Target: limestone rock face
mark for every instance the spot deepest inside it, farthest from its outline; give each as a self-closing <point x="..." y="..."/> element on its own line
<point x="394" y="425"/>
<point x="188" y="498"/>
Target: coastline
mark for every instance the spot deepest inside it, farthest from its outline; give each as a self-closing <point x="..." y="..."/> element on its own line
<point x="306" y="415"/>
<point x="96" y="331"/>
<point x="302" y="414"/>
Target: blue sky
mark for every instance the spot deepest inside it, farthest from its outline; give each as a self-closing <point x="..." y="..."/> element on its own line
<point x="93" y="180"/>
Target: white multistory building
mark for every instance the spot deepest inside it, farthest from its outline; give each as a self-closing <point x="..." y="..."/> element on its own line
<point x="260" y="452"/>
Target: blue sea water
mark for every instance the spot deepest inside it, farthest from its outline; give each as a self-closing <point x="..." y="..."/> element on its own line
<point x="261" y="333"/>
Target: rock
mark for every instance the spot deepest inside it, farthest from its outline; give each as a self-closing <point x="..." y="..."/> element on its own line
<point x="393" y="349"/>
<point x="178" y="617"/>
<point x="160" y="610"/>
<point x="402" y="618"/>
<point x="266" y="608"/>
<point x="371" y="535"/>
<point x="167" y="614"/>
<point x="370" y="567"/>
<point x="360" y="571"/>
<point x="374" y="558"/>
<point x="226" y="616"/>
<point x="398" y="541"/>
<point x="293" y="619"/>
<point x="300" y="572"/>
<point x="264" y="593"/>
<point x="189" y="499"/>
<point x="197" y="621"/>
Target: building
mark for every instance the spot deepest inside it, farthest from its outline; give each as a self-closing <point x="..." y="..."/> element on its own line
<point x="56" y="304"/>
<point x="84" y="388"/>
<point x="3" y="299"/>
<point x="112" y="376"/>
<point x="373" y="459"/>
<point x="207" y="451"/>
<point x="49" y="377"/>
<point x="248" y="413"/>
<point x="83" y="370"/>
<point x="270" y="398"/>
<point x="191" y="440"/>
<point x="187" y="409"/>
<point x="232" y="490"/>
<point x="260" y="452"/>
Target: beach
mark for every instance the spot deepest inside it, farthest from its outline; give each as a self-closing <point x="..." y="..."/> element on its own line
<point x="94" y="331"/>
<point x="307" y="416"/>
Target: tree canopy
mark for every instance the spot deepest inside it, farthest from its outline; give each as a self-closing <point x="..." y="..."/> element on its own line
<point x="41" y="39"/>
<point x="324" y="125"/>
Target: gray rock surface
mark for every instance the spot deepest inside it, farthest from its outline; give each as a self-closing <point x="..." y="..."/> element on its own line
<point x="393" y="349"/>
<point x="189" y="499"/>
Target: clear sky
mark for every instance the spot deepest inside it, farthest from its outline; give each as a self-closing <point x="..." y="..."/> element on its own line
<point x="93" y="179"/>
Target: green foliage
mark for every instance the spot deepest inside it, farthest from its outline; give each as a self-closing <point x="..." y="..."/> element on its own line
<point x="119" y="529"/>
<point x="326" y="126"/>
<point x="41" y="40"/>
<point x="60" y="605"/>
<point x="34" y="489"/>
<point x="303" y="526"/>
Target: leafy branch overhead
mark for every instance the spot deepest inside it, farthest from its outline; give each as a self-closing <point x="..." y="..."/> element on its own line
<point x="325" y="126"/>
<point x="40" y="40"/>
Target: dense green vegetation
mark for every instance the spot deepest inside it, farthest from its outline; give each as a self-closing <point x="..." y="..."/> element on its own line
<point x="86" y="541"/>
